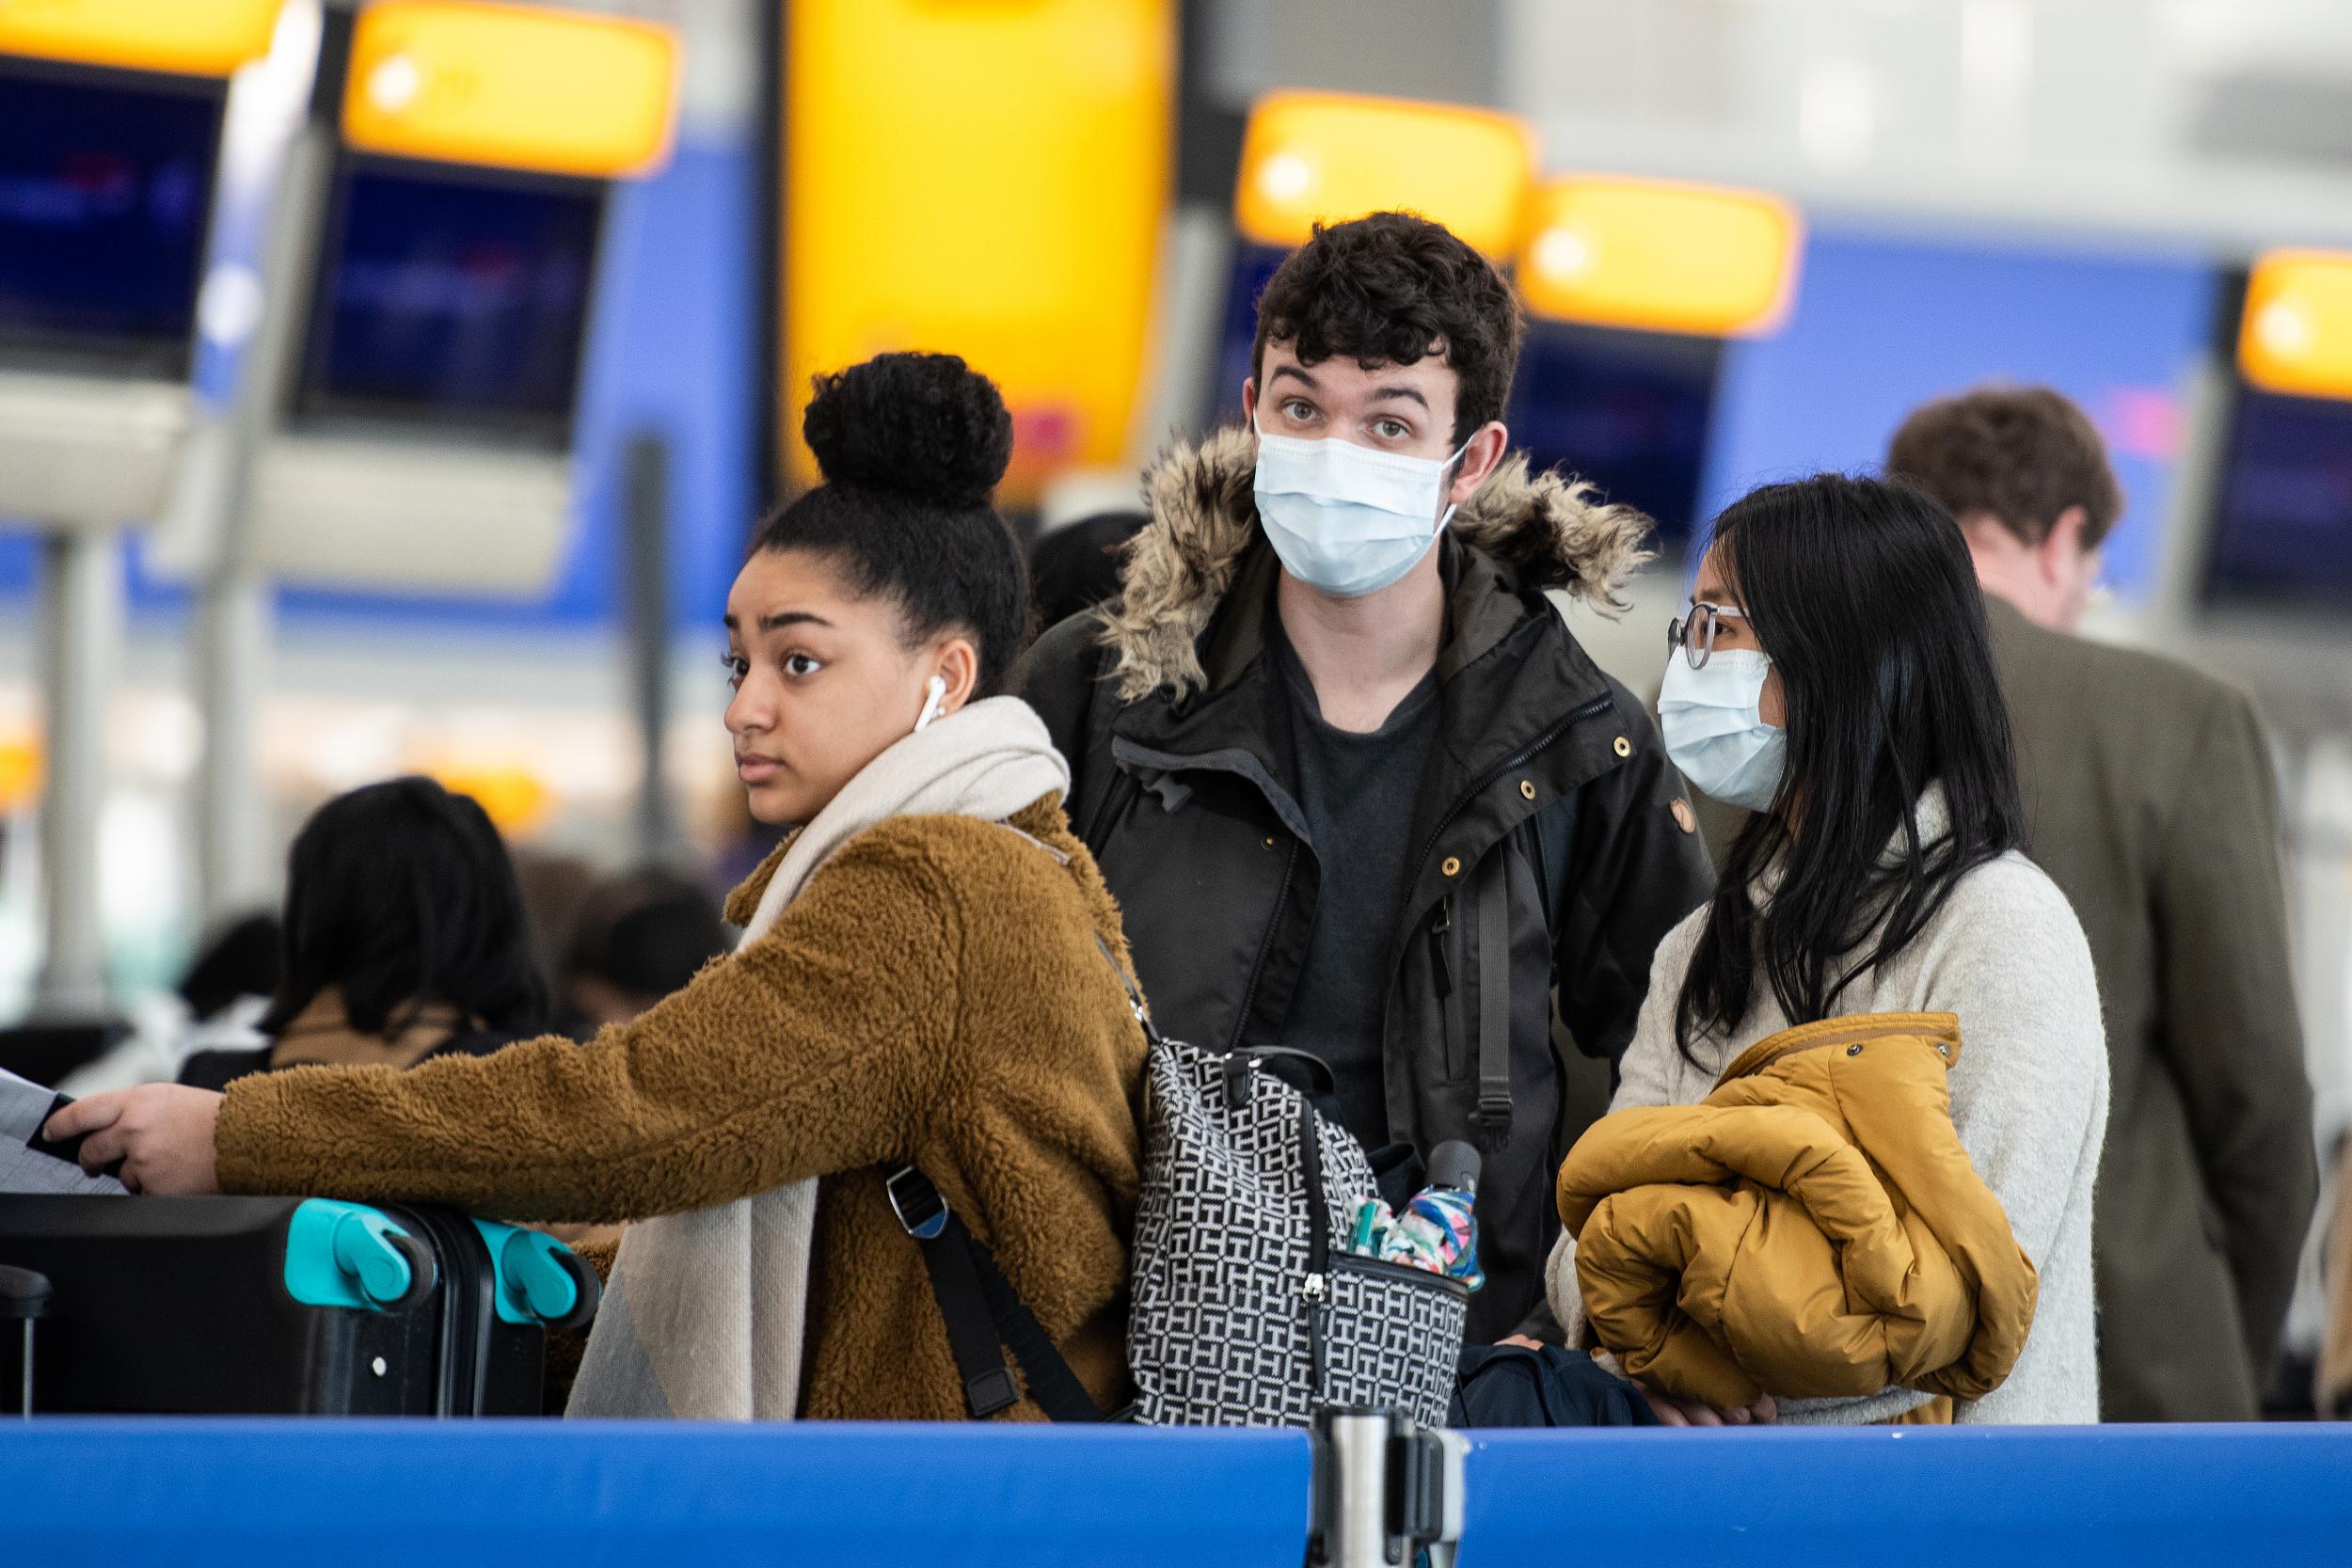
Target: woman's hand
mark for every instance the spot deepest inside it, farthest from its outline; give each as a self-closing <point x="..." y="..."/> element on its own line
<point x="1672" y="1412"/>
<point x="162" y="1132"/>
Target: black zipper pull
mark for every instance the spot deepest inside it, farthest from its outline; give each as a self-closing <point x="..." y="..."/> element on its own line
<point x="1438" y="954"/>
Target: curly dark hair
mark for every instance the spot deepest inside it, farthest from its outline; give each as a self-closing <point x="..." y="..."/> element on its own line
<point x="910" y="446"/>
<point x="2020" y="456"/>
<point x="1390" y="287"/>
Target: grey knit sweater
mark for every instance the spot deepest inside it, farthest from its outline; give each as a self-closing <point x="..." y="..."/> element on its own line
<point x="2029" y="1100"/>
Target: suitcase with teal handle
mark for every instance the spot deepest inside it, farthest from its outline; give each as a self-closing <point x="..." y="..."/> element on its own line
<point x="287" y="1307"/>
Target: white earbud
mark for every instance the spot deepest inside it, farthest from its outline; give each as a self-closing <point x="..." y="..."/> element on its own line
<point x="938" y="689"/>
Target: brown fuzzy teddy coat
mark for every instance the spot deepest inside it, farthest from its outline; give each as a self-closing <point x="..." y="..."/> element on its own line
<point x="935" y="995"/>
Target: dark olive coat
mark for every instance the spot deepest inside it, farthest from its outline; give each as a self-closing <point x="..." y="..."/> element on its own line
<point x="2151" y="801"/>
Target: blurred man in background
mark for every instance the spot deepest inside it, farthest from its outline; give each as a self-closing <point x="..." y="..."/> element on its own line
<point x="2151" y="801"/>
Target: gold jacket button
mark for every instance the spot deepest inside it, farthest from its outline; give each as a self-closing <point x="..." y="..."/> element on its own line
<point x="1453" y="866"/>
<point x="1527" y="787"/>
<point x="1624" y="747"/>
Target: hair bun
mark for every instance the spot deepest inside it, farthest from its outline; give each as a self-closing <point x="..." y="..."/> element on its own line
<point x="923" y="425"/>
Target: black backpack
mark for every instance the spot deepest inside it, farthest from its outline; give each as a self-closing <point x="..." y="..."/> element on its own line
<point x="1510" y="1386"/>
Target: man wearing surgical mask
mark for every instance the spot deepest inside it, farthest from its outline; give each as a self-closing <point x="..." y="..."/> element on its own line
<point x="1358" y="790"/>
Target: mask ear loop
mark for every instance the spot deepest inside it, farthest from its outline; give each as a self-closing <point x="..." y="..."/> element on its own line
<point x="1451" y="473"/>
<point x="937" y="688"/>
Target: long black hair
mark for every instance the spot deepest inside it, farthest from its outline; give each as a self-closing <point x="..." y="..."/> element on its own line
<point x="912" y="445"/>
<point x="1863" y="597"/>
<point x="402" y="897"/>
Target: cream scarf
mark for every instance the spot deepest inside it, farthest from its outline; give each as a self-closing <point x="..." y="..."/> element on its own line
<point x="707" y="1310"/>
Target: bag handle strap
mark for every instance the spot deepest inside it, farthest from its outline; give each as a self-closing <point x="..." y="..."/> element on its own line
<point x="983" y="1313"/>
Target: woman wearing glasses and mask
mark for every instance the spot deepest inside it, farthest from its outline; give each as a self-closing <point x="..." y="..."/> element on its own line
<point x="1833" y="677"/>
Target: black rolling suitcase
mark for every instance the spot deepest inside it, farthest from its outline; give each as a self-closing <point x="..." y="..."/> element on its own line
<point x="267" y="1306"/>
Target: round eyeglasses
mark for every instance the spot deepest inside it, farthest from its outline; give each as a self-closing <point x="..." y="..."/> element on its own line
<point x="1694" y="633"/>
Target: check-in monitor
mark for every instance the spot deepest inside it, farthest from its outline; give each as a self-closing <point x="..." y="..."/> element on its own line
<point x="2282" y="515"/>
<point x="1629" y="411"/>
<point x="105" y="193"/>
<point x="450" y="300"/>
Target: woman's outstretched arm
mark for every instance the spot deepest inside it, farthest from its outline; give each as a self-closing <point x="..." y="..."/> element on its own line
<point x="817" y="1048"/>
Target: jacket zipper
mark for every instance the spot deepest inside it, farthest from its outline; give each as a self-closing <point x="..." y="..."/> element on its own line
<point x="1266" y="945"/>
<point x="1575" y="718"/>
<point x="1314" y="1291"/>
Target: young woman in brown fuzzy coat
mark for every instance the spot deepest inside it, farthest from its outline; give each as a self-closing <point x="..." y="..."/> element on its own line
<point x="924" y="980"/>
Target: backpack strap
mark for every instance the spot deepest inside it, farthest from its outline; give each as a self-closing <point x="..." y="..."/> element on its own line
<point x="1553" y="831"/>
<point x="1494" y="997"/>
<point x="984" y="1314"/>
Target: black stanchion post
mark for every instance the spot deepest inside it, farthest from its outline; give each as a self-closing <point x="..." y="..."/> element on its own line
<point x="645" y="587"/>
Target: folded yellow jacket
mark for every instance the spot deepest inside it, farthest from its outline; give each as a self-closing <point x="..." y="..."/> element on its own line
<point x="1811" y="1229"/>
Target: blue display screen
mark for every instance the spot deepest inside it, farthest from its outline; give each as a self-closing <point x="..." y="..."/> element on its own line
<point x="453" y="300"/>
<point x="106" y="189"/>
<point x="1629" y="411"/>
<point x="2283" y="525"/>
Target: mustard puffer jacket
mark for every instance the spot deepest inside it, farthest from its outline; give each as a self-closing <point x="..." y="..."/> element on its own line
<point x="1811" y="1229"/>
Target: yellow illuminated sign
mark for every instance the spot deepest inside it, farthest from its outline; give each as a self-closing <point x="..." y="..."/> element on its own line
<point x="512" y="86"/>
<point x="20" y="772"/>
<point x="2296" y="333"/>
<point x="1659" y="257"/>
<point x="514" y="798"/>
<point x="1320" y="157"/>
<point x="190" y="38"/>
<point x="982" y="179"/>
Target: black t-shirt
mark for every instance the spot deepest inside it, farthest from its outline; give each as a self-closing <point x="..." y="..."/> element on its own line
<point x="1358" y="792"/>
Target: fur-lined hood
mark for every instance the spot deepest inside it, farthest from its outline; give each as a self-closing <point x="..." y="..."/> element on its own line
<point x="1546" y="528"/>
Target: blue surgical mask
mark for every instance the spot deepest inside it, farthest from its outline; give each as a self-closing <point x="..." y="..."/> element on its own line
<point x="1347" y="521"/>
<point x="1713" y="723"/>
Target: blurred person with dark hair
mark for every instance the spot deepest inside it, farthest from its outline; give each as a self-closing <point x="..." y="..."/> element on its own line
<point x="1356" y="788"/>
<point x="1075" y="568"/>
<point x="2150" y="801"/>
<point x="405" y="939"/>
<point x="931" y="976"/>
<point x="637" y="938"/>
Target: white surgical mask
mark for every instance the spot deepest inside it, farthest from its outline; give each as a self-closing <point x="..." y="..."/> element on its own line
<point x="1345" y="519"/>
<point x="1714" y="722"/>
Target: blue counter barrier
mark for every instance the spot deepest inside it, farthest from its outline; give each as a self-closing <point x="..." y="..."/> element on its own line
<point x="456" y="1495"/>
<point x="286" y="1493"/>
<point x="1920" y="1498"/>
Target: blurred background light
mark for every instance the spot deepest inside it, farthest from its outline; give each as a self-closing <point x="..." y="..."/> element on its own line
<point x="20" y="772"/>
<point x="196" y="37"/>
<point x="1661" y="257"/>
<point x="1324" y="157"/>
<point x="513" y="86"/>
<point x="2296" y="335"/>
<point x="984" y="180"/>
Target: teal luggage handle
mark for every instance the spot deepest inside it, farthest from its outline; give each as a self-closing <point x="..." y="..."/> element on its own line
<point x="540" y="1281"/>
<point x="348" y="1254"/>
